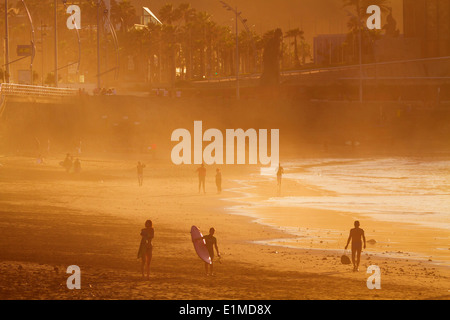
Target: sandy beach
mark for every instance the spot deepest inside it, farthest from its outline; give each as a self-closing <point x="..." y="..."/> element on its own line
<point x="50" y="219"/>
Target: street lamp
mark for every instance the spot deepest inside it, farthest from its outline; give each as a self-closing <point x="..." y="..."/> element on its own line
<point x="42" y="51"/>
<point x="56" y="42"/>
<point x="33" y="47"/>
<point x="360" y="27"/>
<point x="98" y="45"/>
<point x="229" y="8"/>
<point x="6" y="44"/>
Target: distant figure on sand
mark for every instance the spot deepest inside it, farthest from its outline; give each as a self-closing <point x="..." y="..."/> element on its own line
<point x="280" y="172"/>
<point x="140" y="173"/>
<point x="146" y="248"/>
<point x="211" y="243"/>
<point x="77" y="166"/>
<point x="218" y="180"/>
<point x="201" y="177"/>
<point x="356" y="236"/>
<point x="67" y="163"/>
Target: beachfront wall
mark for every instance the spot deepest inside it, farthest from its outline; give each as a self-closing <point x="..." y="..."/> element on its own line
<point x="133" y="125"/>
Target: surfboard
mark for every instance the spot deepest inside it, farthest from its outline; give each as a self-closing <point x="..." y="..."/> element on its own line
<point x="200" y="245"/>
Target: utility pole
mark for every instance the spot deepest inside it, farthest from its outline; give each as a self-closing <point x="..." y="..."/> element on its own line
<point x="56" y="43"/>
<point x="6" y="44"/>
<point x="237" y="58"/>
<point x="98" y="45"/>
<point x="33" y="45"/>
<point x="244" y="22"/>
<point x="42" y="52"/>
<point x="360" y="26"/>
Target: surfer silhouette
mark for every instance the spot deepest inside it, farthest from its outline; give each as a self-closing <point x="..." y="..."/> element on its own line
<point x="356" y="234"/>
<point x="146" y="248"/>
<point x="201" y="177"/>
<point x="211" y="243"/>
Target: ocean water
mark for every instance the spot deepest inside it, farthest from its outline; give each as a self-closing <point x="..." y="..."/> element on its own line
<point x="398" y="190"/>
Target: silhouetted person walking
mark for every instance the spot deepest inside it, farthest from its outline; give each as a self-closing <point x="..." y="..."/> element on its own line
<point x="357" y="237"/>
<point x="211" y="243"/>
<point x="280" y="172"/>
<point x="77" y="166"/>
<point x="146" y="248"/>
<point x="140" y="173"/>
<point x="219" y="180"/>
<point x="201" y="177"/>
<point x="68" y="162"/>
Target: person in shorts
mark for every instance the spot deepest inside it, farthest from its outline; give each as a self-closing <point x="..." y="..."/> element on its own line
<point x="211" y="243"/>
<point x="356" y="237"/>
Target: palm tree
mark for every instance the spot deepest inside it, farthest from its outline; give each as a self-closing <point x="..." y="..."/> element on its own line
<point x="123" y="13"/>
<point x="169" y="14"/>
<point x="187" y="14"/>
<point x="305" y="50"/>
<point x="356" y="26"/>
<point x="294" y="33"/>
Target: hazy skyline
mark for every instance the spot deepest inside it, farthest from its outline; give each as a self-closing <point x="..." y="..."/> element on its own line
<point x="315" y="17"/>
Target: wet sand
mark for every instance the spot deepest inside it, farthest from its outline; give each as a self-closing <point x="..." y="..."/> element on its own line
<point x="50" y="220"/>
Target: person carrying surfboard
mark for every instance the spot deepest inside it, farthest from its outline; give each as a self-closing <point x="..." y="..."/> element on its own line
<point x="211" y="243"/>
<point x="355" y="236"/>
<point x="146" y="248"/>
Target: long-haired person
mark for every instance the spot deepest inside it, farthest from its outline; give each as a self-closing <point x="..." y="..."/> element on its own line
<point x="146" y="248"/>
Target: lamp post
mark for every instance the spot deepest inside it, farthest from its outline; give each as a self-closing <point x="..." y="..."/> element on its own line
<point x="238" y="95"/>
<point x="33" y="46"/>
<point x="6" y="44"/>
<point x="98" y="44"/>
<point x="237" y="13"/>
<point x="360" y="25"/>
<point x="360" y="29"/>
<point x="56" y="43"/>
<point x="42" y="50"/>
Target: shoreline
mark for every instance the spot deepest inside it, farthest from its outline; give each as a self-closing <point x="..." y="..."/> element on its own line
<point x="98" y="216"/>
<point x="248" y="204"/>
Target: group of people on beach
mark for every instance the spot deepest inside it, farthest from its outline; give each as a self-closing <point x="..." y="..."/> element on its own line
<point x="201" y="171"/>
<point x="69" y="163"/>
<point x="202" y="179"/>
<point x="145" y="252"/>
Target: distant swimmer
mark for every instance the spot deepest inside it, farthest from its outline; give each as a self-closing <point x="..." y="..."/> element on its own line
<point x="211" y="243"/>
<point x="146" y="248"/>
<point x="140" y="173"/>
<point x="218" y="180"/>
<point x="357" y="237"/>
<point x="201" y="177"/>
